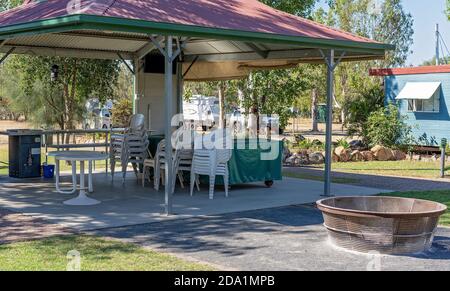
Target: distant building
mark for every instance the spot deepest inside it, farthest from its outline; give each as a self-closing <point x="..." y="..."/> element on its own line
<point x="423" y="95"/>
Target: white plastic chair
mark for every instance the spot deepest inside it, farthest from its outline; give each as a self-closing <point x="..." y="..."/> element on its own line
<point x="160" y="165"/>
<point x="211" y="163"/>
<point x="149" y="163"/>
<point x="130" y="147"/>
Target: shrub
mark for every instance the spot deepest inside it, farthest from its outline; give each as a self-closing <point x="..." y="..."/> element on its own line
<point x="343" y="143"/>
<point x="361" y="107"/>
<point x="386" y="127"/>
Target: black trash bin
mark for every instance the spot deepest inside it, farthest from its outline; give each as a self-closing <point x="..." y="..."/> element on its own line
<point x="24" y="153"/>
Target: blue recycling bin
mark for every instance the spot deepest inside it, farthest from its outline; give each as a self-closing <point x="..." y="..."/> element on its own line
<point x="49" y="171"/>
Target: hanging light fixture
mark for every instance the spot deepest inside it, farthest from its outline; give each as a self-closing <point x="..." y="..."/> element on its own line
<point x="54" y="71"/>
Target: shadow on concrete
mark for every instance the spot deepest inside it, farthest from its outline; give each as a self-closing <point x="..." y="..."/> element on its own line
<point x="220" y="233"/>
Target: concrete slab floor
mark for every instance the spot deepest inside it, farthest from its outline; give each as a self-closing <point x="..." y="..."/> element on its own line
<point x="131" y="204"/>
<point x="287" y="239"/>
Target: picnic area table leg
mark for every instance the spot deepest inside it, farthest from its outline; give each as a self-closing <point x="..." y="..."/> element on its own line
<point x="90" y="184"/>
<point x="74" y="178"/>
<point x="82" y="199"/>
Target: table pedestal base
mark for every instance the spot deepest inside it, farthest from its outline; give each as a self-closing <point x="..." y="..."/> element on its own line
<point x="82" y="200"/>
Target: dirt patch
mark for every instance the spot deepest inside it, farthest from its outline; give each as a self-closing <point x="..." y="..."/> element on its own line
<point x="16" y="227"/>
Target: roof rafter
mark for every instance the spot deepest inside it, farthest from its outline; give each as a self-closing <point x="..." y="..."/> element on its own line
<point x="150" y="46"/>
<point x="302" y="56"/>
<point x="262" y="53"/>
<point x="67" y="52"/>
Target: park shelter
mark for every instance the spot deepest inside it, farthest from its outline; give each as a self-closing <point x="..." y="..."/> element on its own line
<point x="204" y="39"/>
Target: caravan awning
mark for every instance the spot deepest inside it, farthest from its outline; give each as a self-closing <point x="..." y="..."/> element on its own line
<point x="419" y="90"/>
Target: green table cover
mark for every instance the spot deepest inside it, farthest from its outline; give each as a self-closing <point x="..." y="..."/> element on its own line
<point x="245" y="165"/>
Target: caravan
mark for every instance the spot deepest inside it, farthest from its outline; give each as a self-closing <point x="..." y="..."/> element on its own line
<point x="201" y="110"/>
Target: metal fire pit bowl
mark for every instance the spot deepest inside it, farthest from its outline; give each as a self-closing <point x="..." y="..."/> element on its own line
<point x="384" y="224"/>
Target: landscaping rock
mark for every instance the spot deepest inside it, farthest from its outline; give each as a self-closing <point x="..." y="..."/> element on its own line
<point x="316" y="158"/>
<point x="343" y="154"/>
<point x="357" y="145"/>
<point x="382" y="153"/>
<point x="286" y="154"/>
<point x="304" y="160"/>
<point x="357" y="156"/>
<point x="291" y="160"/>
<point x="399" y="155"/>
<point x="334" y="158"/>
<point x="302" y="152"/>
<point x="368" y="156"/>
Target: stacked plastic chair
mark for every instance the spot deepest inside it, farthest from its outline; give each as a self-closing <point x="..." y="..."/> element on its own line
<point x="130" y="147"/>
<point x="212" y="162"/>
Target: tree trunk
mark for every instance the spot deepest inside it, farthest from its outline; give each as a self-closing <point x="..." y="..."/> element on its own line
<point x="314" y="111"/>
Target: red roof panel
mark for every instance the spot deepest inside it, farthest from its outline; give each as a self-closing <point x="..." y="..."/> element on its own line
<point x="243" y="15"/>
<point x="411" y="71"/>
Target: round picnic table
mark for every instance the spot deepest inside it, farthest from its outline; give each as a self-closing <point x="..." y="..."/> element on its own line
<point x="74" y="157"/>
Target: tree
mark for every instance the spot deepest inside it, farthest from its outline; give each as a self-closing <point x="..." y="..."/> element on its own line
<point x="448" y="9"/>
<point x="387" y="127"/>
<point x="273" y="92"/>
<point x="369" y="100"/>
<point x="122" y="112"/>
<point x="300" y="8"/>
<point x="8" y="4"/>
<point x="394" y="26"/>
<point x="432" y="61"/>
<point x="387" y="23"/>
<point x="60" y="101"/>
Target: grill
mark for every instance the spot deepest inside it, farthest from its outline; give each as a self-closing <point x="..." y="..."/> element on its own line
<point x="383" y="224"/>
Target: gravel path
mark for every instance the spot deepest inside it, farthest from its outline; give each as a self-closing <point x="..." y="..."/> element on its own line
<point x="381" y="182"/>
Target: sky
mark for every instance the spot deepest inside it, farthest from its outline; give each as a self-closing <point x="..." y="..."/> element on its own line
<point x="426" y="14"/>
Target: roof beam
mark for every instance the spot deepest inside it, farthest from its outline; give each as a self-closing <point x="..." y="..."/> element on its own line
<point x="254" y="56"/>
<point x="11" y="50"/>
<point x="132" y="71"/>
<point x="150" y="46"/>
<point x="305" y="54"/>
<point x="96" y="35"/>
<point x="65" y="52"/>
<point x="263" y="54"/>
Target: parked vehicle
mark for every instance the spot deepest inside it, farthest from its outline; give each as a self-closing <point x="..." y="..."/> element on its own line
<point x="204" y="111"/>
<point x="98" y="117"/>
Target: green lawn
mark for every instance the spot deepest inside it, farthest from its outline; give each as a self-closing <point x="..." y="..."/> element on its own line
<point x="395" y="168"/>
<point x="97" y="254"/>
<point x="441" y="196"/>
